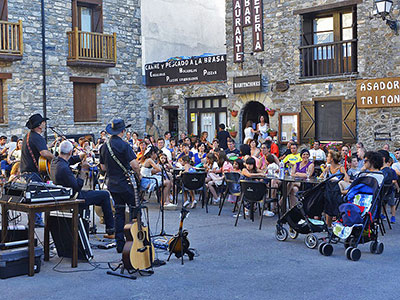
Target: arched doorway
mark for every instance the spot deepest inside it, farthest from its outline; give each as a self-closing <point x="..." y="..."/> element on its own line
<point x="252" y="112"/>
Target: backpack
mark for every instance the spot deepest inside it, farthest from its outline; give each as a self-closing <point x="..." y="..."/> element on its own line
<point x="350" y="214"/>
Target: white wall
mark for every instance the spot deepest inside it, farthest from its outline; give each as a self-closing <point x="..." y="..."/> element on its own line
<point x="182" y="28"/>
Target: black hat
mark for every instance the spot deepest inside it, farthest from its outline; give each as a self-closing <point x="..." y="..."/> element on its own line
<point x="35" y="120"/>
<point x="116" y="126"/>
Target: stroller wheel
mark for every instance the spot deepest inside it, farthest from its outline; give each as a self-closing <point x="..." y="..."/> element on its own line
<point x="311" y="241"/>
<point x="293" y="233"/>
<point x="355" y="254"/>
<point x="373" y="246"/>
<point x="320" y="247"/>
<point x="327" y="249"/>
<point x="281" y="234"/>
<point x="379" y="248"/>
<point x="347" y="252"/>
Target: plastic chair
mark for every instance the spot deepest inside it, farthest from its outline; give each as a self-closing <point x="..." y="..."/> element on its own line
<point x="232" y="187"/>
<point x="253" y="192"/>
<point x="195" y="182"/>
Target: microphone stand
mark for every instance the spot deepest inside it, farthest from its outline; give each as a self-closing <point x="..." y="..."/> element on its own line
<point x="162" y="231"/>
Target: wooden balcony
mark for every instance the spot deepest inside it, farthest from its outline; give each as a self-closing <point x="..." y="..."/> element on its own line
<point x="329" y="59"/>
<point x="11" y="41"/>
<point x="91" y="49"/>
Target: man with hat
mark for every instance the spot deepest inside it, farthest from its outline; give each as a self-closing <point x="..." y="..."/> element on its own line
<point x="122" y="193"/>
<point x="34" y="146"/>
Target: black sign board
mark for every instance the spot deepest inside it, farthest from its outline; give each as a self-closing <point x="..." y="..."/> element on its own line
<point x="247" y="84"/>
<point x="196" y="69"/>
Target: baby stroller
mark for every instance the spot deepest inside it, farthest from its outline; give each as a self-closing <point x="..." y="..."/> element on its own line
<point x="312" y="203"/>
<point x="359" y="218"/>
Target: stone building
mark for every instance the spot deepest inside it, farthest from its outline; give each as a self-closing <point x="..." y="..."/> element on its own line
<point x="315" y="53"/>
<point x="92" y="54"/>
<point x="305" y="60"/>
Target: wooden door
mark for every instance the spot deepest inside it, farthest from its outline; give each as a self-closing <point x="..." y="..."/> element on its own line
<point x="85" y="102"/>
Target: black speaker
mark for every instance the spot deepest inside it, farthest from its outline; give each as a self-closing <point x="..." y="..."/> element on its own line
<point x="60" y="226"/>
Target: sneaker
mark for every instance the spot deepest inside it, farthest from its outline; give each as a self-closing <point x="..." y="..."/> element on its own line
<point x="194" y="203"/>
<point x="268" y="213"/>
<point x="235" y="215"/>
<point x="216" y="201"/>
<point x="186" y="204"/>
<point x="393" y="220"/>
<point x="383" y="217"/>
<point x="170" y="206"/>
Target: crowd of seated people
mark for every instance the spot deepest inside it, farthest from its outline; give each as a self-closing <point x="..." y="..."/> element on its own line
<point x="158" y="157"/>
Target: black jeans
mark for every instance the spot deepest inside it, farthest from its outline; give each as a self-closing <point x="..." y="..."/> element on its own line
<point x="120" y="202"/>
<point x="100" y="198"/>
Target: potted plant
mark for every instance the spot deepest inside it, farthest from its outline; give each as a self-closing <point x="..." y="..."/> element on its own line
<point x="270" y="111"/>
<point x="234" y="113"/>
<point x="232" y="131"/>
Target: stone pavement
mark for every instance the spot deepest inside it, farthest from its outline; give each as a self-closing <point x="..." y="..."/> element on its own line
<point x="232" y="263"/>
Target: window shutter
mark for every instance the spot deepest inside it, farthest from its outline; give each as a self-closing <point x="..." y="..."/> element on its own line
<point x="307" y="30"/>
<point x="98" y="19"/>
<point x="349" y="125"/>
<point x="3" y="10"/>
<point x="307" y="123"/>
<point x="85" y="103"/>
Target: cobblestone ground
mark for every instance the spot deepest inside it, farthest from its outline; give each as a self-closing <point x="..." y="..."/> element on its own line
<point x="232" y="263"/>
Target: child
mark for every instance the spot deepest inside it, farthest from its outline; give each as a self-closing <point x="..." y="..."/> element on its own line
<point x="354" y="170"/>
<point x="272" y="167"/>
<point x="189" y="169"/>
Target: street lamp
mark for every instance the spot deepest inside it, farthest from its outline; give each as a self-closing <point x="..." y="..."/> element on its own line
<point x="383" y="9"/>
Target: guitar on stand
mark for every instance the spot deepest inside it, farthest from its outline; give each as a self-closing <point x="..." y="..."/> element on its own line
<point x="179" y="243"/>
<point x="138" y="253"/>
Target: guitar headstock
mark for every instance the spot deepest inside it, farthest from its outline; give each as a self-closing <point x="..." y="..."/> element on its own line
<point x="184" y="213"/>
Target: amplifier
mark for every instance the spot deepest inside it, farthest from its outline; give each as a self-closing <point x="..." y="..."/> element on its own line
<point x="36" y="192"/>
<point x="60" y="225"/>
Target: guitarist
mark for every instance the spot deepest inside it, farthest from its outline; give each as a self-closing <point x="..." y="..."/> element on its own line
<point x="34" y="146"/>
<point x="118" y="185"/>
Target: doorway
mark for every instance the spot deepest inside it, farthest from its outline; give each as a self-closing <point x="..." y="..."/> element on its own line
<point x="173" y="122"/>
<point x="252" y="112"/>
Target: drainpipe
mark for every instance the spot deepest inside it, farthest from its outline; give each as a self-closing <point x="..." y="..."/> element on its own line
<point x="44" y="66"/>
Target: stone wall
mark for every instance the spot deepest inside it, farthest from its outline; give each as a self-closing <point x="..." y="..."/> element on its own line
<point x="176" y="96"/>
<point x="280" y="60"/>
<point x="122" y="93"/>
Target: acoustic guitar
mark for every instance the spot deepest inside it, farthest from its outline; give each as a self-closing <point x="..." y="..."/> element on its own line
<point x="44" y="166"/>
<point x="138" y="252"/>
<point x="179" y="243"/>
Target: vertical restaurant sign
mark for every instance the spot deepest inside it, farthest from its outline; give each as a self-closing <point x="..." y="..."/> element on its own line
<point x="258" y="40"/>
<point x="246" y="13"/>
<point x="238" y="31"/>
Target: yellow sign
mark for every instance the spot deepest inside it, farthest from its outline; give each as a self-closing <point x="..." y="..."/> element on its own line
<point x="380" y="92"/>
<point x="193" y="117"/>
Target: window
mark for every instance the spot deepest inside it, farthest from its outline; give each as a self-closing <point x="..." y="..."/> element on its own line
<point x="205" y="114"/>
<point x="329" y="43"/>
<point x="87" y="15"/>
<point x="328" y="119"/>
<point x="85" y="102"/>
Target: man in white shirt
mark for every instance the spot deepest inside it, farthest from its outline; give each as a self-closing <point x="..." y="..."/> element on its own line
<point x="161" y="146"/>
<point x="396" y="165"/>
<point x="317" y="153"/>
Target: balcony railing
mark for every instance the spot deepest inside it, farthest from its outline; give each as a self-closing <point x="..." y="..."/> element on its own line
<point x="91" y="49"/>
<point x="328" y="59"/>
<point x="11" y="41"/>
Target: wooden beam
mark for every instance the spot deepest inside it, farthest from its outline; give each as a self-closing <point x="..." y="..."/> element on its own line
<point x="86" y="79"/>
<point x="5" y="75"/>
<point x="321" y="8"/>
<point x="94" y="2"/>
